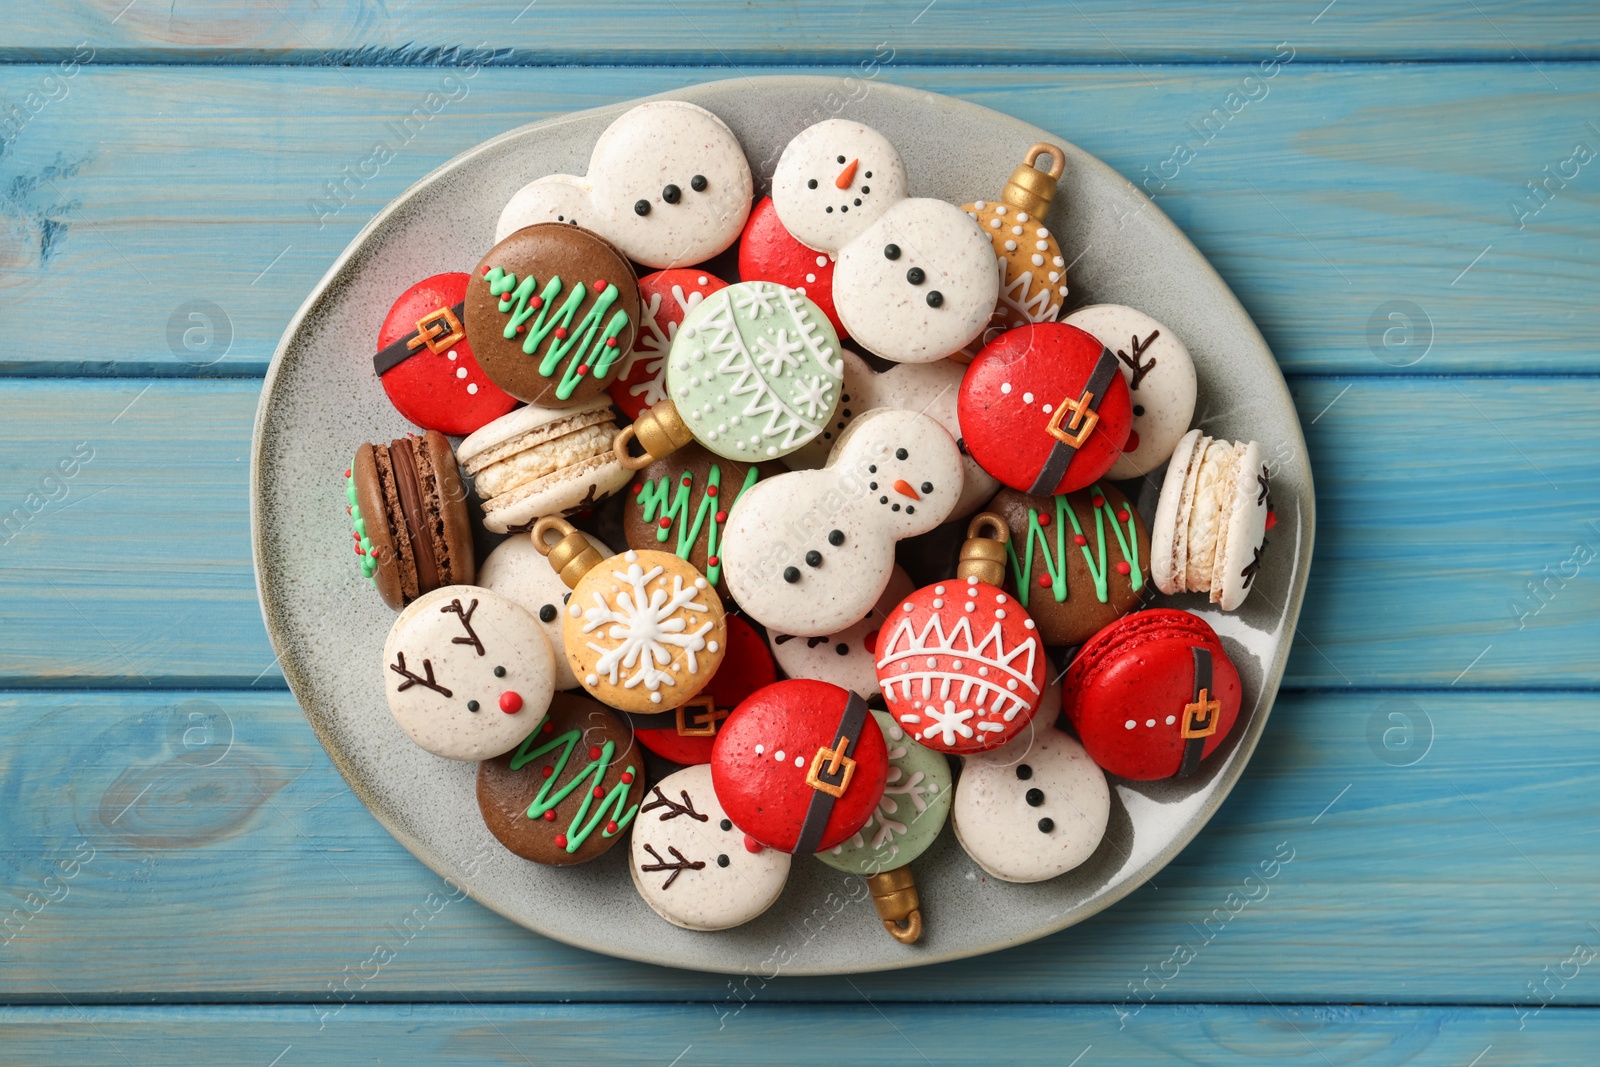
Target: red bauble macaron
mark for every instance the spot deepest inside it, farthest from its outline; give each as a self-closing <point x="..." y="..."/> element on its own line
<point x="770" y="253"/>
<point x="1017" y="408"/>
<point x="665" y="297"/>
<point x="746" y="667"/>
<point x="1135" y="689"/>
<point x="443" y="390"/>
<point x="962" y="665"/>
<point x="780" y="741"/>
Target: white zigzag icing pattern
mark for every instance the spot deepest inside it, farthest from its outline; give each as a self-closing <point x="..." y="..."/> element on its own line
<point x="1037" y="308"/>
<point x="977" y="699"/>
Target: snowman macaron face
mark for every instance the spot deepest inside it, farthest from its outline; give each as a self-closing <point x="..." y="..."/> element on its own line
<point x="834" y="180"/>
<point x="845" y="658"/>
<point x="1161" y="382"/>
<point x="517" y="570"/>
<point x="808" y="553"/>
<point x="668" y="184"/>
<point x="692" y="865"/>
<point x="918" y="284"/>
<point x="468" y="673"/>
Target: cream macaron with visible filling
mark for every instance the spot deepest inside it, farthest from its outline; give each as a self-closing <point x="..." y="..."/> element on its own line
<point x="1211" y="522"/>
<point x="538" y="461"/>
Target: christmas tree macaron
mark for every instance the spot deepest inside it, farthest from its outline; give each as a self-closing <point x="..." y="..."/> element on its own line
<point x="408" y="515"/>
<point x="569" y="790"/>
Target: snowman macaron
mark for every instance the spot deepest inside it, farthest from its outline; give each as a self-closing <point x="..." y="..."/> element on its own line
<point x="668" y="184"/>
<point x="518" y="571"/>
<point x="1161" y="382"/>
<point x="808" y="552"/>
<point x="915" y="278"/>
<point x="846" y="658"/>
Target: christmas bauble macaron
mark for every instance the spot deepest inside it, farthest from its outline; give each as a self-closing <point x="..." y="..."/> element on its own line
<point x="686" y="733"/>
<point x="425" y="362"/>
<point x="570" y="790"/>
<point x="770" y="253"/>
<point x="1152" y="695"/>
<point x="800" y="765"/>
<point x="665" y="297"/>
<point x="1044" y="409"/>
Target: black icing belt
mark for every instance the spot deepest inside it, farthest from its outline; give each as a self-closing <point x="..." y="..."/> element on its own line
<point x="821" y="807"/>
<point x="1061" y="453"/>
<point x="401" y="350"/>
<point x="1195" y="747"/>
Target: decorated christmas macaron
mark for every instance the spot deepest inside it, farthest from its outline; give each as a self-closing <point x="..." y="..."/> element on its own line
<point x="692" y="865"/>
<point x="1152" y="695"/>
<point x="960" y="661"/>
<point x="643" y="631"/>
<point x="800" y="765"/>
<point x="809" y="552"/>
<point x="1211" y="523"/>
<point x="551" y="312"/>
<point x="686" y="733"/>
<point x="1044" y="409"/>
<point x="1077" y="561"/>
<point x="569" y="790"/>
<point x="425" y="361"/>
<point x="1033" y="274"/>
<point x="770" y="253"/>
<point x="408" y="516"/>
<point x="915" y="804"/>
<point x="1031" y="809"/>
<point x="680" y="504"/>
<point x="665" y="297"/>
<point x="516" y="569"/>
<point x="1161" y="382"/>
<point x="467" y="672"/>
<point x="846" y="658"/>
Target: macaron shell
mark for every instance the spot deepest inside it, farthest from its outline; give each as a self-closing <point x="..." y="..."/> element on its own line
<point x="527" y="427"/>
<point x="445" y="391"/>
<point x="691" y="864"/>
<point x="770" y="253"/>
<point x="1208" y="510"/>
<point x="665" y="297"/>
<point x="746" y="667"/>
<point x="1033" y="809"/>
<point x="1246" y="530"/>
<point x="765" y="750"/>
<point x="1168" y="556"/>
<point x="388" y="578"/>
<point x="916" y="801"/>
<point x="445" y="500"/>
<point x="517" y="570"/>
<point x="442" y="653"/>
<point x="1166" y="382"/>
<point x="567" y="490"/>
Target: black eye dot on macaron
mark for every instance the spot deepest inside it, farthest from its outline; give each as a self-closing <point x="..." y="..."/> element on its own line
<point x="499" y="672"/>
<point x="565" y="597"/>
<point x="1024" y="771"/>
<point x="867" y="188"/>
<point x="915" y="276"/>
<point x="472" y="705"/>
<point x="868" y="174"/>
<point x="835" y="538"/>
<point x="547" y="614"/>
<point x="1138" y="410"/>
<point x="842" y="648"/>
<point x="1034" y="797"/>
<point x="722" y="860"/>
<point x="891" y="251"/>
<point x="791" y="574"/>
<point x="838" y="159"/>
<point x="872" y="469"/>
<point x="856" y="201"/>
<point x="698" y="183"/>
<point x="812" y="184"/>
<point x="671" y="194"/>
<point x="900" y="453"/>
<point x="726" y="824"/>
<point x="1046" y="824"/>
<point x="935" y="298"/>
<point x="813" y="558"/>
<point x="894" y="507"/>
<point x="641" y="207"/>
<point x="927" y="487"/>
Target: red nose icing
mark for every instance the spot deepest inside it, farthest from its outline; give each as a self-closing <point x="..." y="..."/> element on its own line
<point x="847" y="175"/>
<point x="903" y="487"/>
<point x="510" y="702"/>
<point x="752" y="845"/>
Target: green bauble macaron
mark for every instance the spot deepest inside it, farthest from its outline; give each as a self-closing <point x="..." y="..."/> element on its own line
<point x="755" y="371"/>
<point x="915" y="804"/>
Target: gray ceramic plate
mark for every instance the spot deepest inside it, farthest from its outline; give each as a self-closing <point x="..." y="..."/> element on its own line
<point x="320" y="400"/>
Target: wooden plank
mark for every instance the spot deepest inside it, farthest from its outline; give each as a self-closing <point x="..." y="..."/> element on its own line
<point x="706" y="31"/>
<point x="203" y="848"/>
<point x="1341" y="197"/>
<point x="857" y="1032"/>
<point x="1440" y="502"/>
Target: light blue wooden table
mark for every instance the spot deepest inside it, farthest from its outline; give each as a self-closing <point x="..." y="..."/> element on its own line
<point x="1409" y="212"/>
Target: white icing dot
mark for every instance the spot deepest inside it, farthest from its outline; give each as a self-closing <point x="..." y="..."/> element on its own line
<point x="761" y="750"/>
<point x="1005" y="387"/>
<point x="1058" y="262"/>
<point x="1042" y="246"/>
<point x="933" y="787"/>
<point x="1000" y="599"/>
<point x="994" y="223"/>
<point x="591" y="679"/>
<point x="1011" y="246"/>
<point x="712" y="436"/>
<point x="655" y="698"/>
<point x="1017" y="230"/>
<point x="938" y="590"/>
<point x="811" y="277"/>
<point x="895" y="733"/>
<point x="1047" y="408"/>
<point x="906" y="606"/>
<point x="971" y="606"/>
<point x="711" y="646"/>
<point x="983" y="672"/>
<point x="722" y="398"/>
<point x="1027" y="398"/>
<point x="1011" y="683"/>
<point x="937" y="602"/>
<point x="733" y="420"/>
<point x="955" y="665"/>
<point x="799" y="761"/>
<point x="772" y="450"/>
<point x="461" y="372"/>
<point x="700" y="583"/>
<point x="1022" y="216"/>
<point x="687" y="331"/>
<point x="980" y="204"/>
<point x="933" y="661"/>
<point x="452" y="355"/>
<point x="1027" y="624"/>
<point x="472" y="388"/>
<point x="999" y="613"/>
<point x="1130" y="724"/>
<point x="574" y="610"/>
<point x="1171" y="719"/>
<point x="972" y="581"/>
<point x="631" y="556"/>
<point x="1038" y="260"/>
<point x="1055" y="276"/>
<point x="700" y="280"/>
<point x="822" y="261"/>
<point x="778" y="756"/>
<point x="801" y="290"/>
<point x="999" y="209"/>
<point x="1062" y="290"/>
<point x="1041" y="232"/>
<point x="1149" y="723"/>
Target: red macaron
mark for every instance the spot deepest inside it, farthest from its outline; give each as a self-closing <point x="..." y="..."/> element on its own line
<point x="800" y="765"/>
<point x="1044" y="409"/>
<point x="686" y="734"/>
<point x="665" y="297"/>
<point x="770" y="253"/>
<point x="426" y="365"/>
<point x="1152" y="694"/>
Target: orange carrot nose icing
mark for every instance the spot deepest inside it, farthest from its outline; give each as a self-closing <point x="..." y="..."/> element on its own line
<point x="903" y="487"/>
<point x="846" y="176"/>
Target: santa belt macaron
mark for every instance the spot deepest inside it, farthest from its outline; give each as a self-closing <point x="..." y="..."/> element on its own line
<point x="830" y="774"/>
<point x="436" y="331"/>
<point x="1081" y="415"/>
<point x="1200" y="716"/>
<point x="699" y="717"/>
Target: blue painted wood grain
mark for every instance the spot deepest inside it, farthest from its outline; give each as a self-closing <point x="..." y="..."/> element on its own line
<point x="1339" y="192"/>
<point x="1440" y="503"/>
<point x="1436" y="846"/>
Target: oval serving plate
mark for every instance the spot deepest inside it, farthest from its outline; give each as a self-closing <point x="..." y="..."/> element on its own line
<point x="320" y="400"/>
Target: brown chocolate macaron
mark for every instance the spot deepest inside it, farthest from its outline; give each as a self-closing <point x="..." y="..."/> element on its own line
<point x="571" y="790"/>
<point x="551" y="313"/>
<point x="1079" y="561"/>
<point x="409" y="511"/>
<point x="680" y="504"/>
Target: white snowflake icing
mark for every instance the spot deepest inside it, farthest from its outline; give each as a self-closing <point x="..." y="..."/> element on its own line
<point x="814" y="395"/>
<point x="647" y="626"/>
<point x="948" y="722"/>
<point x="778" y="354"/>
<point x="882" y="821"/>
<point x="653" y="343"/>
<point x="755" y="299"/>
